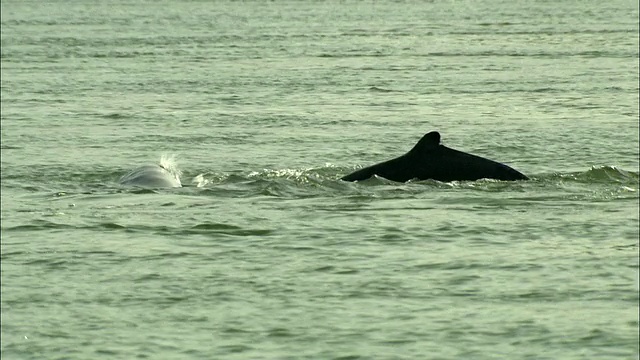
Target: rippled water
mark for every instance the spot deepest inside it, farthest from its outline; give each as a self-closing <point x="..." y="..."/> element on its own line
<point x="266" y="254"/>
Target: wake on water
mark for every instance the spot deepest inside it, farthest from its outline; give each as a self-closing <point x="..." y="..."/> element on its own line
<point x="166" y="173"/>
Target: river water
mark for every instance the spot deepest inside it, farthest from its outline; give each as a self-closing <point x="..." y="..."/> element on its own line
<point x="266" y="254"/>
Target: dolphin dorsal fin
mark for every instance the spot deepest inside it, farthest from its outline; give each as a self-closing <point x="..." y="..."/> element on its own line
<point x="433" y="138"/>
<point x="429" y="141"/>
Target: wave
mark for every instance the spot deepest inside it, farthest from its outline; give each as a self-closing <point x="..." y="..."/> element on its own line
<point x="65" y="182"/>
<point x="599" y="175"/>
<point x="595" y="174"/>
<point x="328" y="177"/>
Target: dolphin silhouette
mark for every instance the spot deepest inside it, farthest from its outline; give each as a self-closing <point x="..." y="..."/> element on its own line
<point x="430" y="160"/>
<point x="151" y="176"/>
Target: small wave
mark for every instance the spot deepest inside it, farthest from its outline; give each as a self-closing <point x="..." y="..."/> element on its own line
<point x="39" y="225"/>
<point x="610" y="173"/>
<point x="294" y="174"/>
<point x="226" y="229"/>
<point x="600" y="174"/>
<point x="288" y="182"/>
<point x="10" y="147"/>
<point x="379" y="89"/>
<point x="115" y="116"/>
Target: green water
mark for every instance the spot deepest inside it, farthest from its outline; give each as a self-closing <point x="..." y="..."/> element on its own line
<point x="267" y="255"/>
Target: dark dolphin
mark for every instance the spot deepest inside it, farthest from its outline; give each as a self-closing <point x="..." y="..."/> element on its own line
<point x="430" y="160"/>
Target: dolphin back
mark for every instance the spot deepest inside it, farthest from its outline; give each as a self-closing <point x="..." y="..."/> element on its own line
<point x="388" y="170"/>
<point x="448" y="164"/>
<point x="151" y="176"/>
<point x="428" y="159"/>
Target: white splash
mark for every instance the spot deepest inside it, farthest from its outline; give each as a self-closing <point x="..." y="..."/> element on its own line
<point x="169" y="163"/>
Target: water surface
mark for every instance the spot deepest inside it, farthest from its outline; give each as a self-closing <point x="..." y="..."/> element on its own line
<point x="267" y="255"/>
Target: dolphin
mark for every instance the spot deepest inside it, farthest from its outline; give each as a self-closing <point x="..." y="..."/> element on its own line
<point x="151" y="176"/>
<point x="430" y="160"/>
